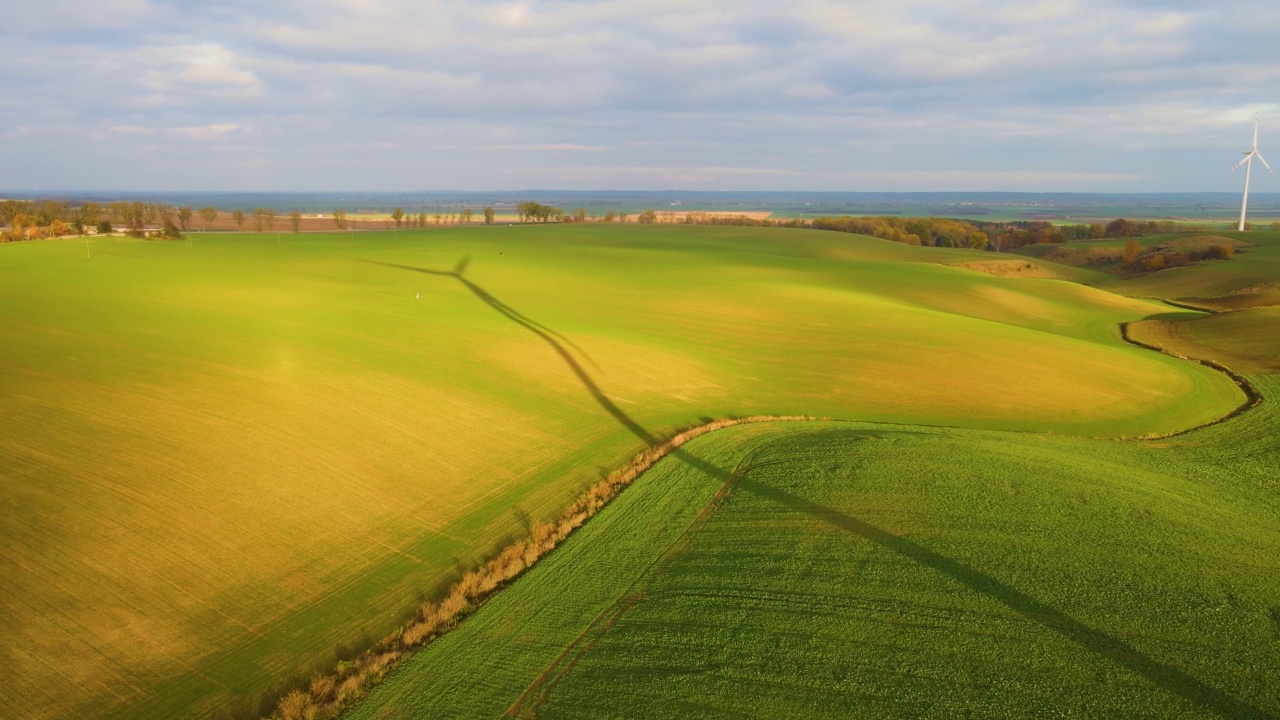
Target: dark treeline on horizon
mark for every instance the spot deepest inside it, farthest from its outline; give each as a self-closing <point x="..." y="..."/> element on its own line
<point x="968" y="205"/>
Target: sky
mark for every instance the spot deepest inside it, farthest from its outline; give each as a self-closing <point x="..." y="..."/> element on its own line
<point x="875" y="95"/>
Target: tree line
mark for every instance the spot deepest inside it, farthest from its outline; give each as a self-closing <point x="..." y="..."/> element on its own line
<point x="30" y="220"/>
<point x="25" y="220"/>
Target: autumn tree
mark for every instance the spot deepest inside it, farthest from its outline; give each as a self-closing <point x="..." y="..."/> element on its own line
<point x="238" y="216"/>
<point x="466" y="216"/>
<point x="271" y="218"/>
<point x="184" y="216"/>
<point x="259" y="218"/>
<point x="340" y="219"/>
<point x="488" y="215"/>
<point x="208" y="214"/>
<point x="398" y="215"/>
<point x="149" y="213"/>
<point x="1131" y="250"/>
<point x="439" y="217"/>
<point x="648" y="216"/>
<point x="422" y="219"/>
<point x="1120" y="228"/>
<point x="295" y="219"/>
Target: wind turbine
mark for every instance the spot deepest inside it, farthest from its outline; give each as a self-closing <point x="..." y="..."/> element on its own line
<point x="1247" y="162"/>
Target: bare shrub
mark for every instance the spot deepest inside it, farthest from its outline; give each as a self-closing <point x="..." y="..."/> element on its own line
<point x="297" y="705"/>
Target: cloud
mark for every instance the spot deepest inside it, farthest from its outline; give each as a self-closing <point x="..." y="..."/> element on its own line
<point x="205" y="133"/>
<point x="823" y="93"/>
<point x="187" y="73"/>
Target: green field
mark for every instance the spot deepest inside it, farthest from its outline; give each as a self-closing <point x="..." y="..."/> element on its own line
<point x="857" y="570"/>
<point x="229" y="463"/>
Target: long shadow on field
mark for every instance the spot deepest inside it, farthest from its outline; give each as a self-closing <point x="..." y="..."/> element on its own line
<point x="1095" y="641"/>
<point x="562" y="345"/>
<point x="1169" y="678"/>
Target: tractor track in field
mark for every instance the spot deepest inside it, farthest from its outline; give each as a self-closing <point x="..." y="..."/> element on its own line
<point x="527" y="705"/>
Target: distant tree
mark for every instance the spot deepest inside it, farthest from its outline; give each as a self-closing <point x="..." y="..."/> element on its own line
<point x="580" y="214"/>
<point x="136" y="217"/>
<point x="1275" y="226"/>
<point x="295" y="220"/>
<point x="104" y="227"/>
<point x="184" y="216"/>
<point x="1219" y="252"/>
<point x="238" y="216"/>
<point x="622" y="217"/>
<point x="259" y="218"/>
<point x="208" y="214"/>
<point x="271" y="218"/>
<point x="466" y="216"/>
<point x="1120" y="228"/>
<point x="89" y="213"/>
<point x="169" y="231"/>
<point x="488" y="215"/>
<point x="1131" y="250"/>
<point x="166" y="213"/>
<point x="149" y="213"/>
<point x="609" y="216"/>
<point x="422" y="219"/>
<point x="398" y="216"/>
<point x="647" y="217"/>
<point x="340" y="219"/>
<point x="117" y="210"/>
<point x="439" y="217"/>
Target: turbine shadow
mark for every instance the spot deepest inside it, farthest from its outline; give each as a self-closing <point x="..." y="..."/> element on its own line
<point x="562" y="345"/>
<point x="1095" y="641"/>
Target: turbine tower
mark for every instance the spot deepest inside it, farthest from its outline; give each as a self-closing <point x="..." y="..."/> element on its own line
<point x="1247" y="162"/>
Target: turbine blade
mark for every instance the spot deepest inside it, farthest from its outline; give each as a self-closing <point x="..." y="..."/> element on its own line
<point x="1255" y="134"/>
<point x="1264" y="164"/>
<point x="1246" y="159"/>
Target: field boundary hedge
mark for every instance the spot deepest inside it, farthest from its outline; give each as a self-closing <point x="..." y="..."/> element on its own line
<point x="1253" y="397"/>
<point x="327" y="696"/>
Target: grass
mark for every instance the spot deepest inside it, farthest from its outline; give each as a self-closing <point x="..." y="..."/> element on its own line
<point x="229" y="464"/>
<point x="1247" y="341"/>
<point x="855" y="570"/>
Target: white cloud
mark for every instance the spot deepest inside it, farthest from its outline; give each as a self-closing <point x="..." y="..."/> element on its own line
<point x="480" y="92"/>
<point x="186" y="72"/>
<point x="206" y="132"/>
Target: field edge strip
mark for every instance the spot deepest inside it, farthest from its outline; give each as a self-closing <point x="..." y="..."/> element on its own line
<point x="1253" y="396"/>
<point x="327" y="696"/>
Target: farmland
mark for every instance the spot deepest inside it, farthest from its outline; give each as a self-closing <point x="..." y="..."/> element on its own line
<point x="856" y="570"/>
<point x="230" y="463"/>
